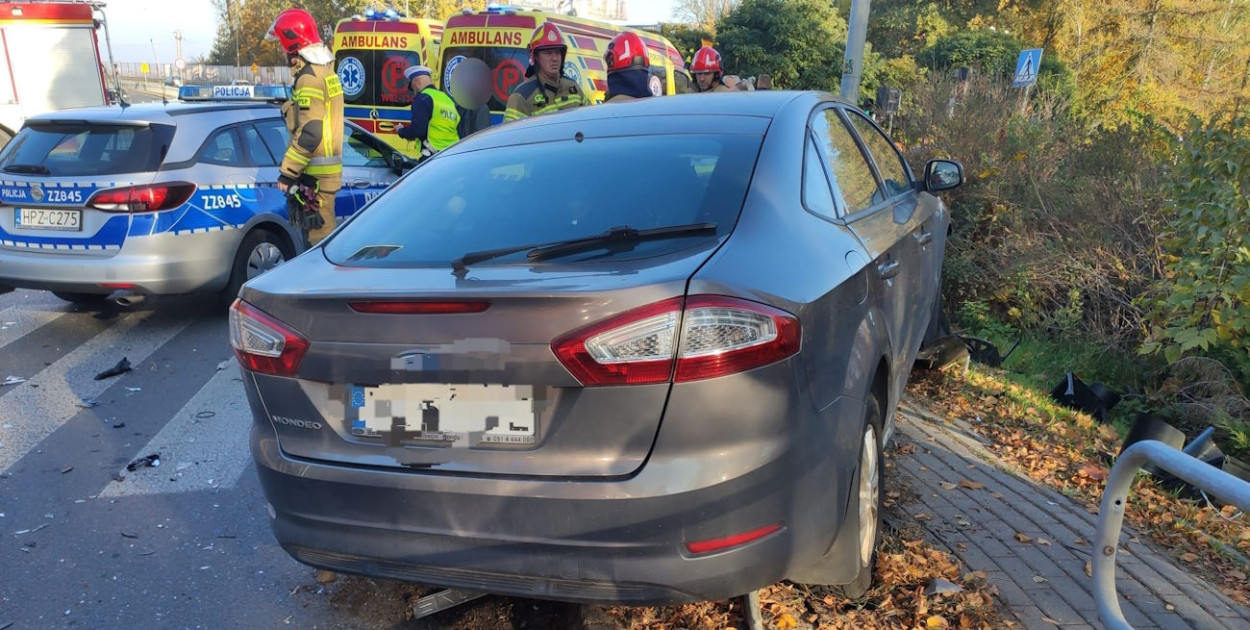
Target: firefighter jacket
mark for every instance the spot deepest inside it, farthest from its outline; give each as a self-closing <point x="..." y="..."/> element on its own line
<point x="534" y="98"/>
<point x="314" y="116"/>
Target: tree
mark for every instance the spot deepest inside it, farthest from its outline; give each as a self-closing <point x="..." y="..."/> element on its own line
<point x="703" y="14"/>
<point x="799" y="42"/>
<point x="686" y="38"/>
<point x="242" y="25"/>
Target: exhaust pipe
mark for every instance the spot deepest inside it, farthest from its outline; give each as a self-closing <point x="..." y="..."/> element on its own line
<point x="123" y="297"/>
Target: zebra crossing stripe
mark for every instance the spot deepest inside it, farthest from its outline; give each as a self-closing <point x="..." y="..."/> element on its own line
<point x="35" y="409"/>
<point x="18" y="321"/>
<point x="203" y="446"/>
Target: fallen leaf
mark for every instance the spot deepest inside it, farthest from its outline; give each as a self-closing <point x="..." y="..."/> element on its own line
<point x="922" y="517"/>
<point x="1093" y="471"/>
<point x="948" y="485"/>
<point x="996" y="495"/>
<point x="786" y="622"/>
<point x="971" y="485"/>
<point x="1024" y="538"/>
<point x="935" y="621"/>
<point x="1039" y="579"/>
<point x="1080" y="541"/>
<point x="1189" y="557"/>
<point x="960" y="546"/>
<point x="1089" y="569"/>
<point x="1043" y="541"/>
<point x="1169" y="607"/>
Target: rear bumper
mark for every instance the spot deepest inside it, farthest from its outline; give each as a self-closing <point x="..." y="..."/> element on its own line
<point x="159" y="264"/>
<point x="612" y="540"/>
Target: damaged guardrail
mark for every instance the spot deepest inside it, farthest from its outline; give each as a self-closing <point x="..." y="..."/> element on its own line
<point x="1197" y="473"/>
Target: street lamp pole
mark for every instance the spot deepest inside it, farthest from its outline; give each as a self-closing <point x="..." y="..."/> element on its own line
<point x="853" y="60"/>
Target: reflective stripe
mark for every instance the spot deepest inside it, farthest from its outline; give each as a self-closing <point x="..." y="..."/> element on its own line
<point x="512" y="114"/>
<point x="323" y="161"/>
<point x="324" y="169"/>
<point x="309" y="92"/>
<point x="295" y="156"/>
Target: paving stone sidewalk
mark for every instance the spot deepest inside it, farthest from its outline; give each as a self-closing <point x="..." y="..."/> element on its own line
<point x="1044" y="586"/>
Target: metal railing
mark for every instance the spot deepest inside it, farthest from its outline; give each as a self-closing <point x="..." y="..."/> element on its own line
<point x="1195" y="472"/>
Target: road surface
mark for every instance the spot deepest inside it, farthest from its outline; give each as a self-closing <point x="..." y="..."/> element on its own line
<point x="84" y="543"/>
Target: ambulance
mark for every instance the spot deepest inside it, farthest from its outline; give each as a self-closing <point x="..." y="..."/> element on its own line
<point x="371" y="52"/>
<point x="50" y="58"/>
<point x="499" y="36"/>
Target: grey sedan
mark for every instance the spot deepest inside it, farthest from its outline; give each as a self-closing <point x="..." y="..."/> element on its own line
<point x="639" y="353"/>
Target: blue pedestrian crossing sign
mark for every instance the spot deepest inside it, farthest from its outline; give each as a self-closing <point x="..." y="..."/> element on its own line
<point x="1026" y="67"/>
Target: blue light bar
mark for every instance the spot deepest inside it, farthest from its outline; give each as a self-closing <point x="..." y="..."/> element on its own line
<point x="254" y="93"/>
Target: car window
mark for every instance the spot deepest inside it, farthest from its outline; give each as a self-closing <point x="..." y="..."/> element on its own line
<point x="854" y="185"/>
<point x="223" y="148"/>
<point x="72" y="149"/>
<point x="256" y="150"/>
<point x="890" y="164"/>
<point x="816" y="194"/>
<point x="358" y="150"/>
<point x="274" y="134"/>
<point x="543" y="193"/>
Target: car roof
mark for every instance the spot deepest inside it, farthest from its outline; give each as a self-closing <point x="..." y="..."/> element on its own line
<point x="156" y="113"/>
<point x="733" y="112"/>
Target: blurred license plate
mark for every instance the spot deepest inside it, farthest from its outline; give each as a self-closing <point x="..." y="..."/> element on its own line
<point x="40" y="219"/>
<point x="444" y="415"/>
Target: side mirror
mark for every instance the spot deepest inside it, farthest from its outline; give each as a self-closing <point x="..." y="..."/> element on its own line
<point x="942" y="175"/>
<point x="399" y="162"/>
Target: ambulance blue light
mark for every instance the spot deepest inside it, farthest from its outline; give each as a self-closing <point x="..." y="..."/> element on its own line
<point x="392" y="14"/>
<point x="370" y="13"/>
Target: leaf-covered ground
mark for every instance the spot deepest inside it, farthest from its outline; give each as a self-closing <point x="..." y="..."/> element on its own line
<point x="1070" y="452"/>
<point x="906" y="565"/>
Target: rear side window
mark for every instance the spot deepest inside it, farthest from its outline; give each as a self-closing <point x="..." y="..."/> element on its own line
<point x="889" y="163"/>
<point x="816" y="195"/>
<point x="257" y="152"/>
<point x="544" y="193"/>
<point x="853" y="181"/>
<point x="86" y="149"/>
<point x="275" y="136"/>
<point x="223" y="148"/>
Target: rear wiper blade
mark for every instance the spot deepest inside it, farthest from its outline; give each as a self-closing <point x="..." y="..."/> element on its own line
<point x="30" y="169"/>
<point x="619" y="236"/>
<point x="613" y="236"/>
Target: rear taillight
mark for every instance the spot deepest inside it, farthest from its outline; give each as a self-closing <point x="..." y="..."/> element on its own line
<point x="264" y="344"/>
<point x="693" y="339"/>
<point x="142" y="198"/>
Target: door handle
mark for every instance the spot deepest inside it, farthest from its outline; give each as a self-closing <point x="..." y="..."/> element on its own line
<point x="359" y="183"/>
<point x="888" y="269"/>
<point x="386" y="127"/>
<point x="924" y="236"/>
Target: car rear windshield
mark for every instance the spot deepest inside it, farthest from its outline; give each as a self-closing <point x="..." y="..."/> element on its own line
<point x="543" y="193"/>
<point x="76" y="149"/>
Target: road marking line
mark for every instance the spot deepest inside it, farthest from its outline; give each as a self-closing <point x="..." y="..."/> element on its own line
<point x="207" y="439"/>
<point x="18" y="321"/>
<point x="33" y="413"/>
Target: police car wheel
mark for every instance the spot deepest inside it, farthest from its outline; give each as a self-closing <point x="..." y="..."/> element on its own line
<point x="260" y="252"/>
<point x="80" y="298"/>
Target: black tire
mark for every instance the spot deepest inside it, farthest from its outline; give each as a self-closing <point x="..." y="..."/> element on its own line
<point x="81" y="298"/>
<point x="872" y="515"/>
<point x="247" y="266"/>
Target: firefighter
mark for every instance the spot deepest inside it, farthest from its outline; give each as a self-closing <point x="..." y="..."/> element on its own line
<point x="312" y="167"/>
<point x="629" y="73"/>
<point x="708" y="71"/>
<point x="547" y="89"/>
<point x="434" y="115"/>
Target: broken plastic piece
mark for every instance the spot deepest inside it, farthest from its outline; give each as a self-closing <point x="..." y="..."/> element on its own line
<point x="941" y="587"/>
<point x="87" y="404"/>
<point x="442" y="600"/>
<point x="1094" y="400"/>
<point x="985" y="352"/>
<point x="152" y="460"/>
<point x="122" y="367"/>
<point x="13" y="380"/>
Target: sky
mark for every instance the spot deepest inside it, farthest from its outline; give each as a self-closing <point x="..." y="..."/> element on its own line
<point x="138" y="26"/>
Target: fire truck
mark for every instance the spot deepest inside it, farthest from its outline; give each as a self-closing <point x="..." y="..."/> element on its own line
<point x="50" y="58"/>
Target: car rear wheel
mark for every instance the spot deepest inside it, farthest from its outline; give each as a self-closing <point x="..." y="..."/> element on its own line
<point x="81" y="298"/>
<point x="868" y="490"/>
<point x="260" y="252"/>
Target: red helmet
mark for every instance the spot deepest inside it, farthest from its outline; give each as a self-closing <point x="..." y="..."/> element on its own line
<point x="547" y="36"/>
<point x="706" y="60"/>
<point x="294" y="29"/>
<point x="626" y="51"/>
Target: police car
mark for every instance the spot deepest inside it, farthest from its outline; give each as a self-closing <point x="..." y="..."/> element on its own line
<point x="162" y="198"/>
